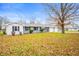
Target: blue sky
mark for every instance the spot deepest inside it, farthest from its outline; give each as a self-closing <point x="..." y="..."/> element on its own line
<point x="24" y="11"/>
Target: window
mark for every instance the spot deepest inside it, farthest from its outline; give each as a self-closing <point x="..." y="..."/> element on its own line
<point x="35" y="28"/>
<point x="18" y="28"/>
<point x="47" y="29"/>
<point x="15" y="28"/>
<point x="26" y="28"/>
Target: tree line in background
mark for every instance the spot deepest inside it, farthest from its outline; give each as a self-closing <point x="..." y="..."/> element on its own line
<point x="3" y="20"/>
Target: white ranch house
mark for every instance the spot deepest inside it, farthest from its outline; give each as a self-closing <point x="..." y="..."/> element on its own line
<point x="21" y="28"/>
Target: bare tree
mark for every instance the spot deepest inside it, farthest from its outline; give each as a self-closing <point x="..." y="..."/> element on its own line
<point x="32" y="20"/>
<point x="21" y="20"/>
<point x="3" y="20"/>
<point x="63" y="13"/>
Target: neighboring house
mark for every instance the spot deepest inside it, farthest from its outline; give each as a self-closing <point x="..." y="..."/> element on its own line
<point x="20" y="28"/>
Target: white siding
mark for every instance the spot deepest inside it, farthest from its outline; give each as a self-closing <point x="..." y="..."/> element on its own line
<point x="53" y="29"/>
<point x="9" y="29"/>
<point x="21" y="29"/>
<point x="56" y="29"/>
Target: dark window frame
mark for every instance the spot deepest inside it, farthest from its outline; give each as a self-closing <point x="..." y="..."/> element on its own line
<point x="26" y="28"/>
<point x="15" y="28"/>
<point x="35" y="28"/>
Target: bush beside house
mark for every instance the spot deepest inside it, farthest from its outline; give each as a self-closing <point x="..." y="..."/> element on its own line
<point x="30" y="30"/>
<point x="2" y="32"/>
<point x="41" y="29"/>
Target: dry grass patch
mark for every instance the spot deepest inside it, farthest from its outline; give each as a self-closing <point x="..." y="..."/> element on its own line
<point x="40" y="44"/>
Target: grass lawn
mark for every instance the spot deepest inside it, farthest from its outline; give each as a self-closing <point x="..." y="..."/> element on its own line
<point x="1" y="33"/>
<point x="40" y="44"/>
<point x="75" y="31"/>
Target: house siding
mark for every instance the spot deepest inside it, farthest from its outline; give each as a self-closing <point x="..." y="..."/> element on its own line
<point x="22" y="31"/>
<point x="9" y="29"/>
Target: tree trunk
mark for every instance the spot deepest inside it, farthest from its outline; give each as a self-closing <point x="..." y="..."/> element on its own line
<point x="62" y="26"/>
